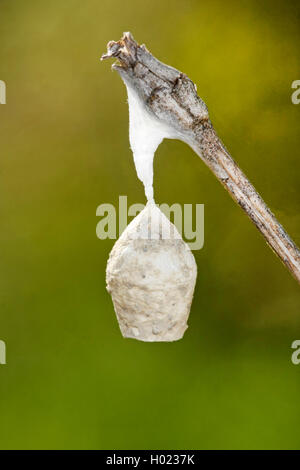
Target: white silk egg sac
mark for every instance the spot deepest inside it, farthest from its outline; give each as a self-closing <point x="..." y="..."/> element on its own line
<point x="151" y="275"/>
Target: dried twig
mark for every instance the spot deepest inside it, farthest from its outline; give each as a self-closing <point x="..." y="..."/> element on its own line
<point x="171" y="97"/>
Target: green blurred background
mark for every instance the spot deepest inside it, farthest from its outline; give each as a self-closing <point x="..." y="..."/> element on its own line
<point x="71" y="381"/>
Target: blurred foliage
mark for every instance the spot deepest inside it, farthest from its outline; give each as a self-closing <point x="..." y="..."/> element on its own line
<point x="71" y="380"/>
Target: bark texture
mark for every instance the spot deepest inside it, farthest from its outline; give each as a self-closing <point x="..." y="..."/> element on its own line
<point x="171" y="97"/>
